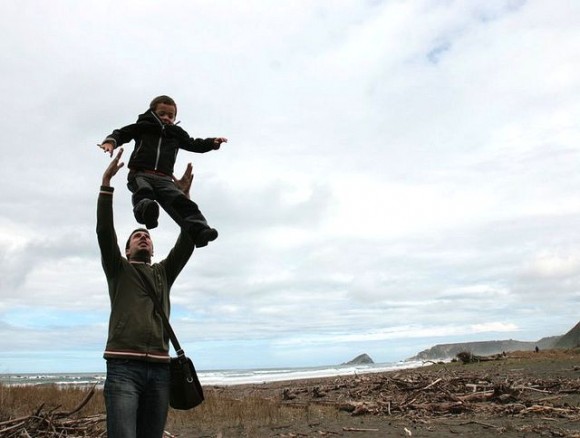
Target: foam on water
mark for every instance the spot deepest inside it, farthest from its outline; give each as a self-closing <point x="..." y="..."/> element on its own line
<point x="216" y="377"/>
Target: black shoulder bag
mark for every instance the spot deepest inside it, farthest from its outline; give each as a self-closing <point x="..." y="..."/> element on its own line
<point x="185" y="390"/>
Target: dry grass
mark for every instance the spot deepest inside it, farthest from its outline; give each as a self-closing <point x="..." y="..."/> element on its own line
<point x="217" y="412"/>
<point x="220" y="412"/>
<point x="18" y="401"/>
<point x="544" y="387"/>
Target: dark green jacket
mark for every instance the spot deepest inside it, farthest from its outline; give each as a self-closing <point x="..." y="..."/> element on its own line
<point x="135" y="329"/>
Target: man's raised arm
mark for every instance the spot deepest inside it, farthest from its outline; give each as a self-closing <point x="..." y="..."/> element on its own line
<point x="112" y="169"/>
<point x="183" y="248"/>
<point x="110" y="254"/>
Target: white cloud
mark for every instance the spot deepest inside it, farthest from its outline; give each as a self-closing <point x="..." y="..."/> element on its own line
<point x="554" y="265"/>
<point x="393" y="169"/>
<point x="494" y="327"/>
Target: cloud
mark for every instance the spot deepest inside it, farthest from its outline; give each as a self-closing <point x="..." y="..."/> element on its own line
<point x="397" y="173"/>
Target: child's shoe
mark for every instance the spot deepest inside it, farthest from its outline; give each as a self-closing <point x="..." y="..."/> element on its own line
<point x="151" y="215"/>
<point x="205" y="236"/>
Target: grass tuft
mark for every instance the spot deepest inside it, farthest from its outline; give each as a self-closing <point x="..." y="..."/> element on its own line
<point x="218" y="412"/>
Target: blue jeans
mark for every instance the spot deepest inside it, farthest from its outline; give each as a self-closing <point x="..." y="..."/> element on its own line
<point x="136" y="398"/>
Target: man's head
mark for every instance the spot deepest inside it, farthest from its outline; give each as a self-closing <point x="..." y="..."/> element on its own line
<point x="165" y="108"/>
<point x="139" y="246"/>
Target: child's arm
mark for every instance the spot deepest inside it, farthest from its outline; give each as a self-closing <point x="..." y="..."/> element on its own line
<point x="217" y="142"/>
<point x="202" y="145"/>
<point x="119" y="137"/>
<point x="107" y="146"/>
<point x="199" y="145"/>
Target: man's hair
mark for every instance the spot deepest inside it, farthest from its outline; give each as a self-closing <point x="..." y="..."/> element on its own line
<point x="162" y="99"/>
<point x="133" y="232"/>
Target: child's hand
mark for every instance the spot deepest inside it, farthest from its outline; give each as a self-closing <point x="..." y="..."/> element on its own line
<point x="107" y="147"/>
<point x="218" y="141"/>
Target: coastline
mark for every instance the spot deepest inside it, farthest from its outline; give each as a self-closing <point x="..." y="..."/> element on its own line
<point x="213" y="377"/>
<point x="520" y="395"/>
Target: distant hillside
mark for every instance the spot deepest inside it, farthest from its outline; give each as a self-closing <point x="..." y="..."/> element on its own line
<point x="484" y="348"/>
<point x="361" y="359"/>
<point x="570" y="339"/>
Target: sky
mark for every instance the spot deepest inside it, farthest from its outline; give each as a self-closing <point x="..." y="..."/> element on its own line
<point x="399" y="174"/>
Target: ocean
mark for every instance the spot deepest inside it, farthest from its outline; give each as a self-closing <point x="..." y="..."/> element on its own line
<point x="214" y="377"/>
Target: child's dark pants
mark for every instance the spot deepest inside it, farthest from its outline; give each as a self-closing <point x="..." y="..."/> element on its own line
<point x="147" y="187"/>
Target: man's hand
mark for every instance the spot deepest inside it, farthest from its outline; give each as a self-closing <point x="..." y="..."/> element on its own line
<point x="218" y="141"/>
<point x="107" y="147"/>
<point x="113" y="168"/>
<point x="184" y="183"/>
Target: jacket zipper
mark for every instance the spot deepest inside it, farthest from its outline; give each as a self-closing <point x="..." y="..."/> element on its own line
<point x="158" y="152"/>
<point x="160" y="140"/>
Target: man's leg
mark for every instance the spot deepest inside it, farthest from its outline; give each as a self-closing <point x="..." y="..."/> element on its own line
<point x="154" y="405"/>
<point x="122" y="388"/>
<point x="145" y="209"/>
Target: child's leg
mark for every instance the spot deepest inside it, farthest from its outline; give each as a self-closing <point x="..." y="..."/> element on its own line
<point x="145" y="209"/>
<point x="185" y="212"/>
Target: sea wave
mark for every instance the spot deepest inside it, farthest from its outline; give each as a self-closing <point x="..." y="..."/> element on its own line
<point x="215" y="377"/>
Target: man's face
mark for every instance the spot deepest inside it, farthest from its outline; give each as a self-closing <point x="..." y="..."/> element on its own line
<point x="166" y="113"/>
<point x="140" y="244"/>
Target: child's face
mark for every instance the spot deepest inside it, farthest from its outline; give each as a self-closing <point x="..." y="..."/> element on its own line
<point x="166" y="113"/>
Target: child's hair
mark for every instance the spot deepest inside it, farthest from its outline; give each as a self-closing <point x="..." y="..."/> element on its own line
<point x="162" y="99"/>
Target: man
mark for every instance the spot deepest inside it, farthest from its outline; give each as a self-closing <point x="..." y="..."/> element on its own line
<point x="137" y="352"/>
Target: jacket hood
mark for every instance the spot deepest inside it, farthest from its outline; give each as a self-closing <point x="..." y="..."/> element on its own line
<point x="150" y="117"/>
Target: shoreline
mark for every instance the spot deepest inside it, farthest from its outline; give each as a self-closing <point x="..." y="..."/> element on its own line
<point x="521" y="395"/>
<point x="214" y="377"/>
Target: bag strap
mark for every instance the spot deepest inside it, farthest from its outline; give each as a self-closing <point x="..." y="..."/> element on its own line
<point x="149" y="288"/>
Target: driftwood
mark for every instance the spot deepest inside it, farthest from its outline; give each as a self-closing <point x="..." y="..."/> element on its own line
<point x="457" y="391"/>
<point x="468" y="357"/>
<point x="358" y="429"/>
<point x="51" y="423"/>
<point x="56" y="424"/>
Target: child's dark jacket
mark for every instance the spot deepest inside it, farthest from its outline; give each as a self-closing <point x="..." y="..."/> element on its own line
<point x="156" y="144"/>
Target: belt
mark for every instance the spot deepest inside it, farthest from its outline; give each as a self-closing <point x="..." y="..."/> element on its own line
<point x="152" y="172"/>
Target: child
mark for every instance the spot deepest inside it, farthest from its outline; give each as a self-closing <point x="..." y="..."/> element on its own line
<point x="150" y="179"/>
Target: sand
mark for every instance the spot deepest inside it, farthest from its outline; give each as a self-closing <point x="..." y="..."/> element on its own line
<point x="524" y="394"/>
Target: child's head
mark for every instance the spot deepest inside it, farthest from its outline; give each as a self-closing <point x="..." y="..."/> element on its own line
<point x="165" y="108"/>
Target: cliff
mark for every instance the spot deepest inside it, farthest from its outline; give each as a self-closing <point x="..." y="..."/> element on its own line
<point x="570" y="339"/>
<point x="483" y="348"/>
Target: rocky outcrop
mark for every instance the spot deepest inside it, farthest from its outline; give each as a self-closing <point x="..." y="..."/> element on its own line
<point x="363" y="359"/>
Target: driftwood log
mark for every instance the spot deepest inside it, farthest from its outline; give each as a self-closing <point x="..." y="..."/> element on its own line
<point x="447" y="392"/>
<point x="468" y="357"/>
<point x="51" y="423"/>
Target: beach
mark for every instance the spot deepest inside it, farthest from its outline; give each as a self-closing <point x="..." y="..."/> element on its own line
<point x="519" y="394"/>
<point x="523" y="394"/>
